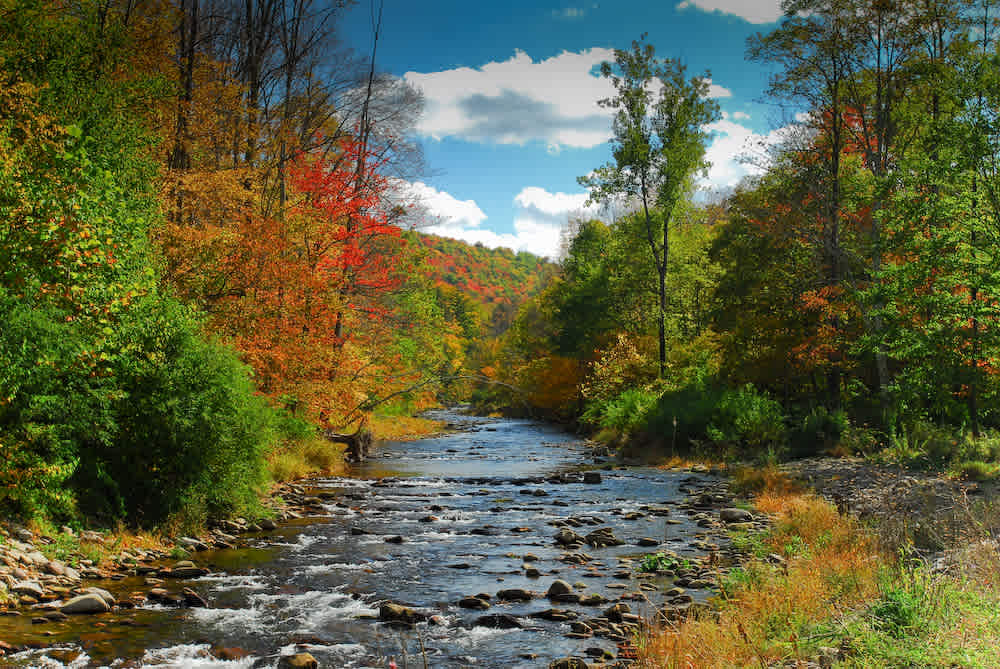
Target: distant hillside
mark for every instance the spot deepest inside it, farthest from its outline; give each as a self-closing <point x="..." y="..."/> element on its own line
<point x="490" y="276"/>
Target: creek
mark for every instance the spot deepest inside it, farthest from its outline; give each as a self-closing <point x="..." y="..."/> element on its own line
<point x="469" y="505"/>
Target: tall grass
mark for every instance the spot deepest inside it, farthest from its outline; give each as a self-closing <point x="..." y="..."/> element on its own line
<point x="836" y="586"/>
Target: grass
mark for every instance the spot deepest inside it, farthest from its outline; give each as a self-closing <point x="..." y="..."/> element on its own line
<point x="837" y="587"/>
<point x="403" y="428"/>
<point x="304" y="457"/>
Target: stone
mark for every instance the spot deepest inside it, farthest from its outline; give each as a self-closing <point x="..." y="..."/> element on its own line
<point x="733" y="515"/>
<point x="503" y="621"/>
<point x="591" y="477"/>
<point x="515" y="595"/>
<point x="593" y="599"/>
<point x="30" y="588"/>
<point x="184" y="569"/>
<point x="647" y="542"/>
<point x="566" y="537"/>
<point x="392" y="612"/>
<point x="397" y="539"/>
<point x="103" y="594"/>
<point x="85" y="604"/>
<point x="603" y="537"/>
<point x="614" y="612"/>
<point x="558" y="587"/>
<point x="569" y="663"/>
<point x="267" y="524"/>
<point x="55" y="567"/>
<point x="298" y="661"/>
<point x="473" y="603"/>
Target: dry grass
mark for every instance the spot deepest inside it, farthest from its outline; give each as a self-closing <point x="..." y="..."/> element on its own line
<point x="403" y="428"/>
<point x="306" y="457"/>
<point x="769" y="612"/>
<point x="690" y="462"/>
<point x="768" y="480"/>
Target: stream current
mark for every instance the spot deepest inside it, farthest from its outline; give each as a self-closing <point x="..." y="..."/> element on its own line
<point x="468" y="504"/>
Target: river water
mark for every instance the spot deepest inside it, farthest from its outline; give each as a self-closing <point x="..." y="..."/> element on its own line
<point x="469" y="505"/>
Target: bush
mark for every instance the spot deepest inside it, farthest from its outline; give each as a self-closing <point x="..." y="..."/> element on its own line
<point x="189" y="432"/>
<point x="819" y="431"/>
<point x="744" y="418"/>
<point x="624" y="414"/>
<point x="747" y="417"/>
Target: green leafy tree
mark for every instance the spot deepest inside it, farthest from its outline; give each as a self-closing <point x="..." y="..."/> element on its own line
<point x="658" y="146"/>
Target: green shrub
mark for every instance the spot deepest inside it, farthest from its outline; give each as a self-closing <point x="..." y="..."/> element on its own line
<point x="819" y="431"/>
<point x="744" y="418"/>
<point x="747" y="417"/>
<point x="189" y="432"/>
<point x="624" y="414"/>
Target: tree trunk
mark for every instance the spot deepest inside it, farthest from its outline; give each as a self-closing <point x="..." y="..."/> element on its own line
<point x="358" y="444"/>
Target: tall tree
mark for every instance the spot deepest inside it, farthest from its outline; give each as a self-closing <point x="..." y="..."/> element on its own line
<point x="658" y="146"/>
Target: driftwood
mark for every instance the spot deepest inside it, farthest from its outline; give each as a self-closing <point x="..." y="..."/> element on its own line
<point x="358" y="444"/>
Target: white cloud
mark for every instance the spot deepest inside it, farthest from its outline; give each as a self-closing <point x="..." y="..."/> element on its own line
<point x="741" y="116"/>
<point x="717" y="91"/>
<point x="569" y="13"/>
<point x="753" y="11"/>
<point x="737" y="151"/>
<point x="539" y="217"/>
<point x="520" y="100"/>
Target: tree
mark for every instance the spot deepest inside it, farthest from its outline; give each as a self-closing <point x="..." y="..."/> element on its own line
<point x="658" y="146"/>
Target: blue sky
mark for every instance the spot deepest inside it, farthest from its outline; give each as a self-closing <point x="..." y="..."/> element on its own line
<point x="510" y="90"/>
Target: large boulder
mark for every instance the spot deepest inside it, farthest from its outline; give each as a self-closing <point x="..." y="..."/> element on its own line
<point x="392" y="612"/>
<point x="30" y="588"/>
<point x="734" y="515"/>
<point x="298" y="661"/>
<point x="567" y="537"/>
<point x="503" y="621"/>
<point x="85" y="604"/>
<point x="102" y="593"/>
<point x="558" y="587"/>
<point x="515" y="595"/>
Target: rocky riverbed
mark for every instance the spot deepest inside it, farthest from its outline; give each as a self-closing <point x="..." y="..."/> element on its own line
<point x="428" y="554"/>
<point x="504" y="544"/>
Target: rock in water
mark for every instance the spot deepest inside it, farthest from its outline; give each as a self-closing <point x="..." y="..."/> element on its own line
<point x="392" y="612"/>
<point x="86" y="604"/>
<point x="569" y="663"/>
<point x="515" y="595"/>
<point x="102" y="593"/>
<point x="474" y="603"/>
<point x="566" y="537"/>
<point x="298" y="661"/>
<point x="558" y="587"/>
<point x="735" y="516"/>
<point x="503" y="621"/>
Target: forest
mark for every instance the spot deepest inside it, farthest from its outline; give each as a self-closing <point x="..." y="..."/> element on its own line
<point x="843" y="301"/>
<point x="208" y="264"/>
<point x="213" y="282"/>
